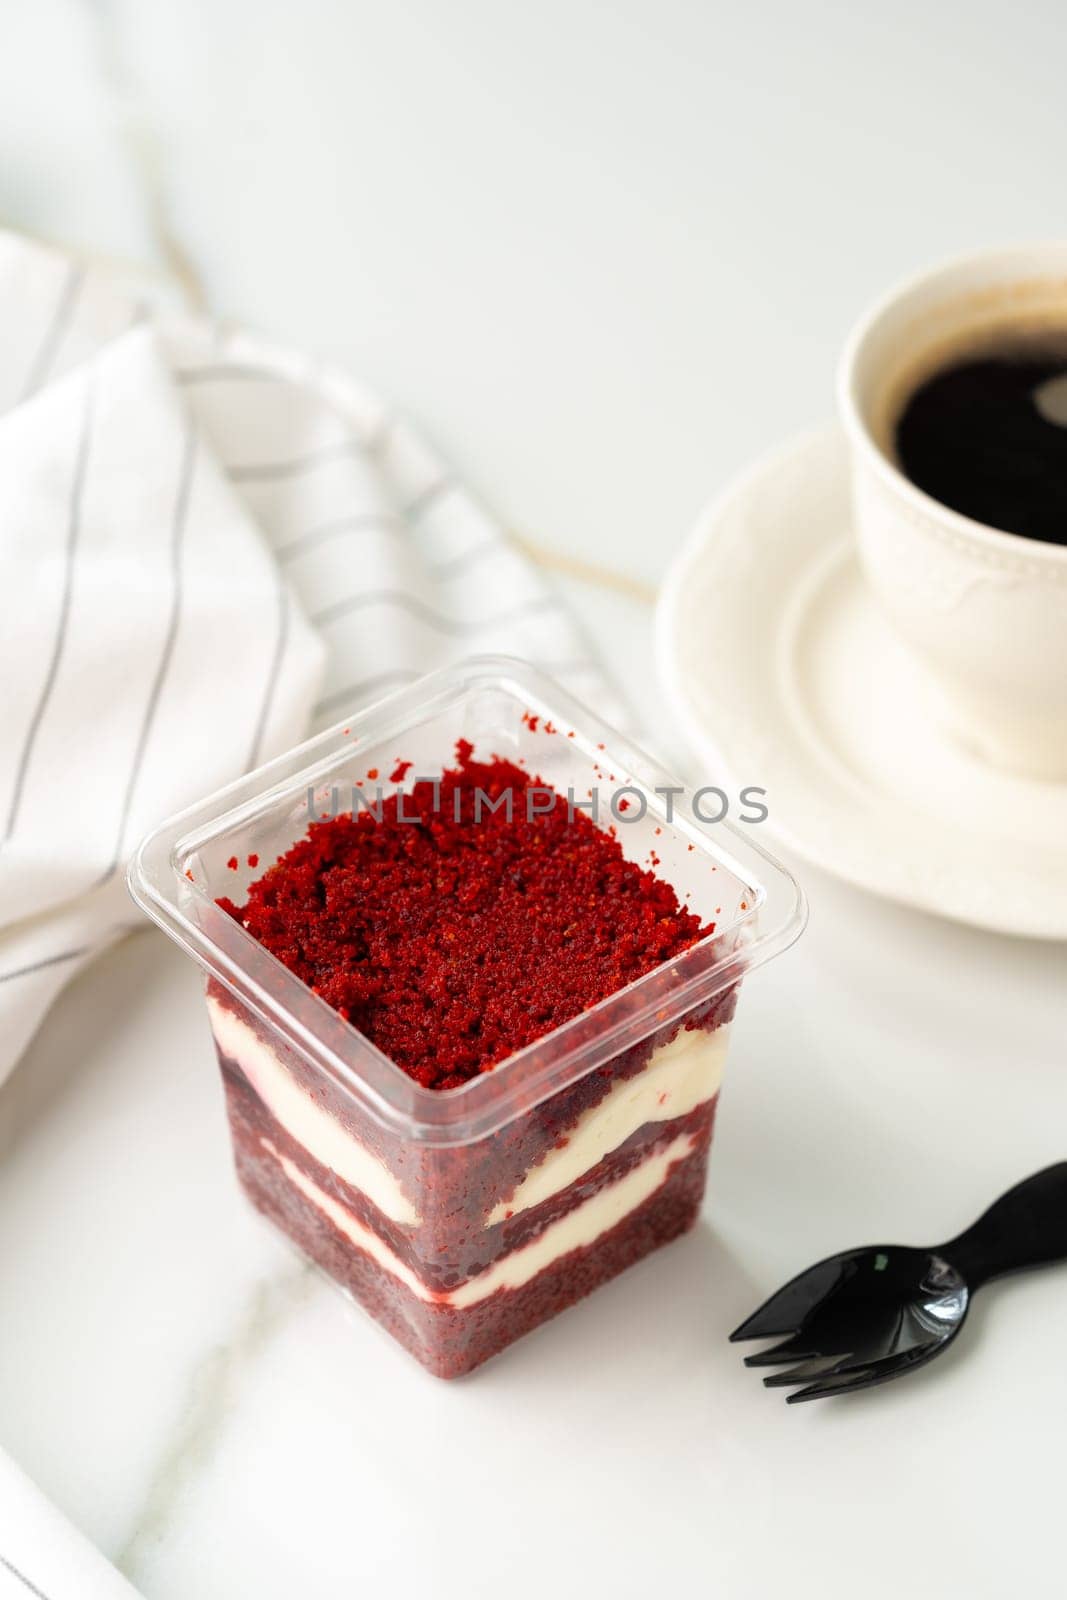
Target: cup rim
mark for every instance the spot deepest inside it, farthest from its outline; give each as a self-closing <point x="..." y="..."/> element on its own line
<point x="861" y="438"/>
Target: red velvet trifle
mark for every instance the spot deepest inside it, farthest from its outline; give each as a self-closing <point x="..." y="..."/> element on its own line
<point x="471" y="1040"/>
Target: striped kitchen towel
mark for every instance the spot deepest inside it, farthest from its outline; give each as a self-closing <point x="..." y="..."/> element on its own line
<point x="209" y="547"/>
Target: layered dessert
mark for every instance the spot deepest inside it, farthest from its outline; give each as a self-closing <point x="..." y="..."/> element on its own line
<point x="454" y="929"/>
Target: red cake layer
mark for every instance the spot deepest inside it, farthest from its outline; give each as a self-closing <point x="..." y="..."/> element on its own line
<point x="449" y="1341"/>
<point x="456" y="1189"/>
<point x="455" y="939"/>
<point x="442" y="1254"/>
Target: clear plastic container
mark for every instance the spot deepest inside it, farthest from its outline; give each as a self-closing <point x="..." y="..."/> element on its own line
<point x="463" y="1218"/>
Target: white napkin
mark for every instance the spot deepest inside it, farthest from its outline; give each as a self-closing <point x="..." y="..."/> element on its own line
<point x="41" y="1556"/>
<point x="208" y="548"/>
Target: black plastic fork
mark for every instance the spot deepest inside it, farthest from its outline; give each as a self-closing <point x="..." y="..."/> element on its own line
<point x="868" y="1315"/>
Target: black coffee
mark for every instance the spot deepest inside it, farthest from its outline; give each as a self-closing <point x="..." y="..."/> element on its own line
<point x="988" y="438"/>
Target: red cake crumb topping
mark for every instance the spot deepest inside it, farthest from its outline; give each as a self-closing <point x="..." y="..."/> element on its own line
<point x="453" y="943"/>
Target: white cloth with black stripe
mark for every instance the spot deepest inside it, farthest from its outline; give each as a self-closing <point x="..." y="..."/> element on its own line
<point x="208" y="548"/>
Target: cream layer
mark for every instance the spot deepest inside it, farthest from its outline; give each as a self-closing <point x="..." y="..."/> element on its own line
<point x="579" y="1228"/>
<point x="311" y="1125"/>
<point x="679" y="1077"/>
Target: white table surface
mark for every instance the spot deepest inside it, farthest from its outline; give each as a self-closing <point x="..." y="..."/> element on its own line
<point x="606" y="253"/>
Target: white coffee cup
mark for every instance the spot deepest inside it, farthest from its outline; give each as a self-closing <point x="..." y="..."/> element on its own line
<point x="986" y="611"/>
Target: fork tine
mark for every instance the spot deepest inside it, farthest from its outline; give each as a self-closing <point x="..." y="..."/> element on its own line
<point x="788" y="1309"/>
<point x="769" y="1322"/>
<point x="810" y="1371"/>
<point x="792" y="1349"/>
<point x="846" y="1382"/>
<point x="863" y="1375"/>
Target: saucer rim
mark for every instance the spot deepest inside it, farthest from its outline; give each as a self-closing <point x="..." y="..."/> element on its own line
<point x="1012" y="919"/>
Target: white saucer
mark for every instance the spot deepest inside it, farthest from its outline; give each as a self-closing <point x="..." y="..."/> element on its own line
<point x="783" y="674"/>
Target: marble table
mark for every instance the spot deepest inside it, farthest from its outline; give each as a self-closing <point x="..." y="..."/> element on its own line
<point x="605" y="254"/>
